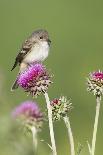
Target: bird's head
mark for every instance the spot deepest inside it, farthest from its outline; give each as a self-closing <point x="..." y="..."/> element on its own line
<point x="41" y="36"/>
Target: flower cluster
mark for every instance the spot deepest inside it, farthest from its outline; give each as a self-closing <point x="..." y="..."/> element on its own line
<point x="35" y="79"/>
<point x="29" y="114"/>
<point x="60" y="107"/>
<point x="95" y="83"/>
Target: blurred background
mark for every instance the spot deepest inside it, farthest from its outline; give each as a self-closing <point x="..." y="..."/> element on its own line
<point x="76" y="31"/>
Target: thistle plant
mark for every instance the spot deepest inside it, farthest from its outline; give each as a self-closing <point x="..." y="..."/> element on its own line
<point x="36" y="80"/>
<point x="95" y="85"/>
<point x="30" y="116"/>
<point x="60" y="108"/>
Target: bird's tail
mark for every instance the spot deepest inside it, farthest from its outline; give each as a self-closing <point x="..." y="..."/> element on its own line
<point x="14" y="86"/>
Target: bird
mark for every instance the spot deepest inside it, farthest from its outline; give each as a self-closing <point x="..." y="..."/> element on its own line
<point x="35" y="49"/>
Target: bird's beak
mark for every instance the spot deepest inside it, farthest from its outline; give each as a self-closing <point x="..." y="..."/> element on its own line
<point x="49" y="41"/>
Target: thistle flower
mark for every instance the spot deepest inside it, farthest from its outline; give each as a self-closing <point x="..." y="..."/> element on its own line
<point x="60" y="107"/>
<point x="35" y="79"/>
<point x="29" y="114"/>
<point x="95" y="83"/>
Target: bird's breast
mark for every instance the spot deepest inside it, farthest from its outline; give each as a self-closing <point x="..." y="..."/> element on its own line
<point x="39" y="52"/>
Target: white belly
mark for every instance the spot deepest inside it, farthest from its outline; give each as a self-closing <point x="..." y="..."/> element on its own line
<point x="38" y="53"/>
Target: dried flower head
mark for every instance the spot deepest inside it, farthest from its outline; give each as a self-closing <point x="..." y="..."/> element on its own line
<point x="60" y="107"/>
<point x="35" y="79"/>
<point x="95" y="83"/>
<point x="29" y="114"/>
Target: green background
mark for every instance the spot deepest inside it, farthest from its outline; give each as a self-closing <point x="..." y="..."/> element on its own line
<point x="76" y="31"/>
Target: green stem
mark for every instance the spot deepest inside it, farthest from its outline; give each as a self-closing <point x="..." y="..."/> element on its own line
<point x="67" y="123"/>
<point x="34" y="134"/>
<point x="98" y="99"/>
<point x="50" y="124"/>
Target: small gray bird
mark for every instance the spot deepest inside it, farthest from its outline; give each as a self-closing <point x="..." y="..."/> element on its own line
<point x="34" y="49"/>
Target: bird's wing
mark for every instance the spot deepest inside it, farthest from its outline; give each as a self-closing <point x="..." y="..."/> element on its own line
<point x="26" y="48"/>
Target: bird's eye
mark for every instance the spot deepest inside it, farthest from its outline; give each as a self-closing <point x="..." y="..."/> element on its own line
<point x="41" y="37"/>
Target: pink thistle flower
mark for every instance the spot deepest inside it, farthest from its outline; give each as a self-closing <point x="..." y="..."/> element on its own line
<point x="29" y="114"/>
<point x="95" y="83"/>
<point x="60" y="107"/>
<point x="35" y="79"/>
<point x="97" y="76"/>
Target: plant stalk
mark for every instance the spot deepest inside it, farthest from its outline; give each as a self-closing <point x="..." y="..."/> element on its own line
<point x="67" y="123"/>
<point x="34" y="134"/>
<point x="98" y="99"/>
<point x="50" y="124"/>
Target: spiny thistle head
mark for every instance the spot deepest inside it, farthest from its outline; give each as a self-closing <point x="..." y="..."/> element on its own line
<point x="60" y="107"/>
<point x="28" y="114"/>
<point x="35" y="79"/>
<point x="95" y="83"/>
